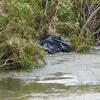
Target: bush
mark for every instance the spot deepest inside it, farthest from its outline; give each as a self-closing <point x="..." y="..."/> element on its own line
<point x="19" y="47"/>
<point x="17" y="53"/>
<point x="81" y="43"/>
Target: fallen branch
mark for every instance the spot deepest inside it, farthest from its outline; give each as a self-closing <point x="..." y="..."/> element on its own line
<point x="4" y="63"/>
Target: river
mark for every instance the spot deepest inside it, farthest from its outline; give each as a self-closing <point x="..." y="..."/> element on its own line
<point x="67" y="76"/>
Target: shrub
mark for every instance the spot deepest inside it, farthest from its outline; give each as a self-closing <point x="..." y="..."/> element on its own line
<point x="81" y="43"/>
<point x="17" y="53"/>
<point x="19" y="47"/>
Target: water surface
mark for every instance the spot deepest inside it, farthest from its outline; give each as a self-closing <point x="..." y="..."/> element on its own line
<point x="69" y="76"/>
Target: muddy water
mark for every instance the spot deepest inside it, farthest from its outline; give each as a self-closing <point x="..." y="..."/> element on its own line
<point x="69" y="76"/>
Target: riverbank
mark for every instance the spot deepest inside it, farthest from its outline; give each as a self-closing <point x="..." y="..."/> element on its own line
<point x="23" y="23"/>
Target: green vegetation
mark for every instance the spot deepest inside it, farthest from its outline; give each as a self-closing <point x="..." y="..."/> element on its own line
<point x="22" y="22"/>
<point x="19" y="46"/>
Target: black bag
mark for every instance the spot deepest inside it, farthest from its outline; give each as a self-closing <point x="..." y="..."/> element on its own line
<point x="53" y="44"/>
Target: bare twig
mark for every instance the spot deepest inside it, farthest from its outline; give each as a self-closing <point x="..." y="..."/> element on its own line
<point x="46" y="7"/>
<point x="90" y="18"/>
